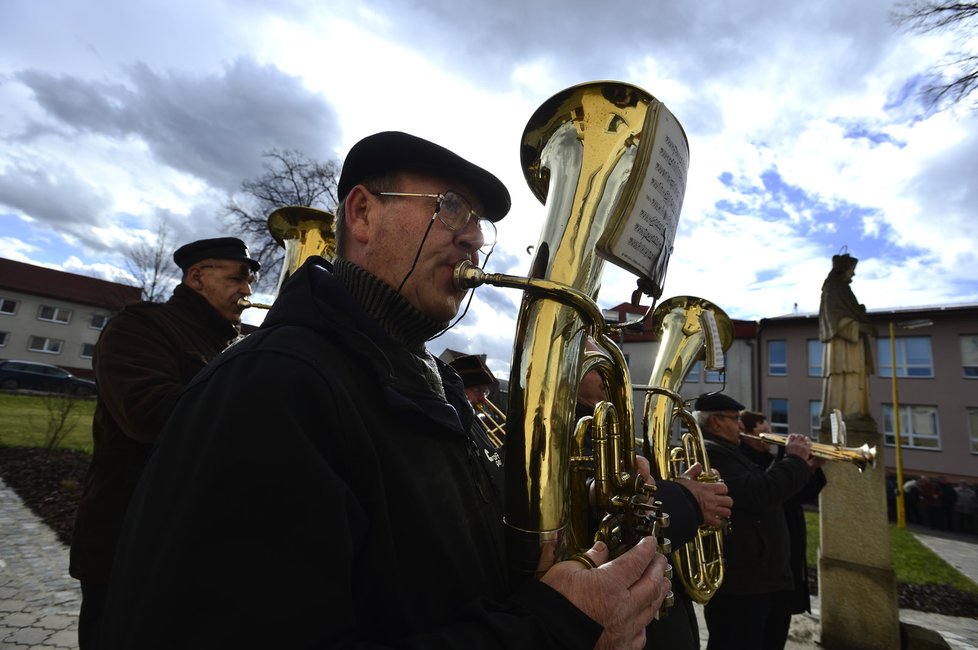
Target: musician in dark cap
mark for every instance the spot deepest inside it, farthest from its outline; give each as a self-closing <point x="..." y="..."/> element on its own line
<point x="143" y="359"/>
<point x="477" y="379"/>
<point x="321" y="485"/>
<point x="756" y="549"/>
<point x="478" y="382"/>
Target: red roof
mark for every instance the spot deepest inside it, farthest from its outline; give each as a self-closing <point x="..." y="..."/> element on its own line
<point x="41" y="281"/>
<point x="743" y="329"/>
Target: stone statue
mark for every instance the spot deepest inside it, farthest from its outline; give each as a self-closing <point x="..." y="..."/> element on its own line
<point x="847" y="357"/>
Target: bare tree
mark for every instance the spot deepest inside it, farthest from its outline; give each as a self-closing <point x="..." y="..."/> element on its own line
<point x="290" y="178"/>
<point x="151" y="263"/>
<point x="61" y="418"/>
<point x="957" y="77"/>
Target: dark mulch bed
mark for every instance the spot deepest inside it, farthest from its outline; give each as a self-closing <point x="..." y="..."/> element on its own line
<point x="50" y="484"/>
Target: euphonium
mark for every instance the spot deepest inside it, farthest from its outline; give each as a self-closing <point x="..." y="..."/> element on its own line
<point x="303" y="232"/>
<point x="609" y="161"/>
<point x="686" y="327"/>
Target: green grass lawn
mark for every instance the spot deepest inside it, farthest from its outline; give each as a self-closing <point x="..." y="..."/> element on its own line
<point x="913" y="562"/>
<point x="24" y="421"/>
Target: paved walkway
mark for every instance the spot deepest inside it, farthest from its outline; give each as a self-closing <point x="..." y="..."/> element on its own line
<point x="39" y="600"/>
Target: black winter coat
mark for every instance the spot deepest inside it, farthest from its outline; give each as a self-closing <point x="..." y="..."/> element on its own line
<point x="144" y="358"/>
<point x="756" y="550"/>
<point x="311" y="490"/>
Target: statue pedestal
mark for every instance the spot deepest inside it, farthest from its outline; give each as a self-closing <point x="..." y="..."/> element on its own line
<point x="856" y="582"/>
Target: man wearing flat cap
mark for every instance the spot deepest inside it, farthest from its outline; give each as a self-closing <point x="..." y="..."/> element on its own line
<point x="756" y="550"/>
<point x="143" y="359"/>
<point x="477" y="381"/>
<point x="351" y="504"/>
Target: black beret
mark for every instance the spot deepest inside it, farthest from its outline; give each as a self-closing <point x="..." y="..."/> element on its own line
<point x="393" y="151"/>
<point x="221" y="248"/>
<point x="717" y="402"/>
<point x="473" y="371"/>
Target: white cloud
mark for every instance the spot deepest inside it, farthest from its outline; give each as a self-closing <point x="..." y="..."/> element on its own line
<point x="804" y="133"/>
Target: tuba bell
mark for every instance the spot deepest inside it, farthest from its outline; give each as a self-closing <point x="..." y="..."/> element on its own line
<point x="303" y="232"/>
<point x="609" y="162"/>
<point x="688" y="328"/>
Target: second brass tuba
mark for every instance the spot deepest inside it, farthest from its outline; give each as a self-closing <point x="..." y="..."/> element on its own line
<point x="688" y="329"/>
<point x="303" y="232"/>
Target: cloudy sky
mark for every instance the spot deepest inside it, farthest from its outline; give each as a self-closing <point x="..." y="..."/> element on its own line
<point x="805" y="129"/>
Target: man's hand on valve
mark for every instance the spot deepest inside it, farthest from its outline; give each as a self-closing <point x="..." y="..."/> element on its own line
<point x="711" y="496"/>
<point x="623" y="595"/>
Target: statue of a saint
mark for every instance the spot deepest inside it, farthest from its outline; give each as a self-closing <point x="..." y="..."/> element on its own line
<point x="847" y="357"/>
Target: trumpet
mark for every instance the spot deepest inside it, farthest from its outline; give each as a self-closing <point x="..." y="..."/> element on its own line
<point x="492" y="420"/>
<point x="246" y="304"/>
<point x="861" y="457"/>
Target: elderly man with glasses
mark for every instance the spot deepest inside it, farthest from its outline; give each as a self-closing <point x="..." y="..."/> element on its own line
<point x="144" y="358"/>
<point x="756" y="550"/>
<point x="322" y="485"/>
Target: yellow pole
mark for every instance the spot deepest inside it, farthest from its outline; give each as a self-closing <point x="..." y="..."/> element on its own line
<point x="901" y="511"/>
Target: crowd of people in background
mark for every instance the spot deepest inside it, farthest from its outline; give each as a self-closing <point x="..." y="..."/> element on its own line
<point x="937" y="503"/>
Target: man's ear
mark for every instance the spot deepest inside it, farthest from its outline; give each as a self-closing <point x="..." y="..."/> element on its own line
<point x="193" y="278"/>
<point x="360" y="208"/>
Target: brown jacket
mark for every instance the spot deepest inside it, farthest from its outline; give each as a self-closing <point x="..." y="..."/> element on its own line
<point x="145" y="356"/>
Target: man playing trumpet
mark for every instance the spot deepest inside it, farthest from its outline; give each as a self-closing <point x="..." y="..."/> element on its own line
<point x="757" y="548"/>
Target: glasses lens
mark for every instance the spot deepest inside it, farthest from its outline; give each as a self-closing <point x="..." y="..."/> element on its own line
<point x="455" y="212"/>
<point x="488" y="230"/>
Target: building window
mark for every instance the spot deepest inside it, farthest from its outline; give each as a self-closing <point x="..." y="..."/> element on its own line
<point x="3" y="338"/>
<point x="42" y="344"/>
<point x="8" y="306"/>
<point x="714" y="376"/>
<point x="973" y="429"/>
<point x="913" y="357"/>
<point x="918" y="426"/>
<point x="695" y="374"/>
<point x="87" y="350"/>
<point x="814" y="358"/>
<point x="777" y="358"/>
<point x="778" y="409"/>
<point x="98" y="321"/>
<point x="54" y="314"/>
<point x="969" y="356"/>
<point x="814" y="418"/>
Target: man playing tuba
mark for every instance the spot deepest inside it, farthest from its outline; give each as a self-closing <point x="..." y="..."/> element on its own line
<point x="320" y="485"/>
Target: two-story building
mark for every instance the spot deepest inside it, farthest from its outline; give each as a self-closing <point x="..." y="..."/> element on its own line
<point x="55" y="317"/>
<point x="936" y="384"/>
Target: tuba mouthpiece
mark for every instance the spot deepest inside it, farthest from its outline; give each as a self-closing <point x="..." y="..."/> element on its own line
<point x="467" y="275"/>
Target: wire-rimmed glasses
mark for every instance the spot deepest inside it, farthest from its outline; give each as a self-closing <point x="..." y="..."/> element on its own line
<point x="453" y="210"/>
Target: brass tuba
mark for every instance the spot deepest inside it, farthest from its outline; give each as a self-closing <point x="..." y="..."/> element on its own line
<point x="303" y="232"/>
<point x="609" y="161"/>
<point x="687" y="327"/>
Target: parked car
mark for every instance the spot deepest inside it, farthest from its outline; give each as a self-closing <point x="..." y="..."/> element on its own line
<point x="31" y="375"/>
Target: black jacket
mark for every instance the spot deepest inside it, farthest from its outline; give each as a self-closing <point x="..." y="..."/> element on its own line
<point x="144" y="358"/>
<point x="756" y="550"/>
<point x="311" y="490"/>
